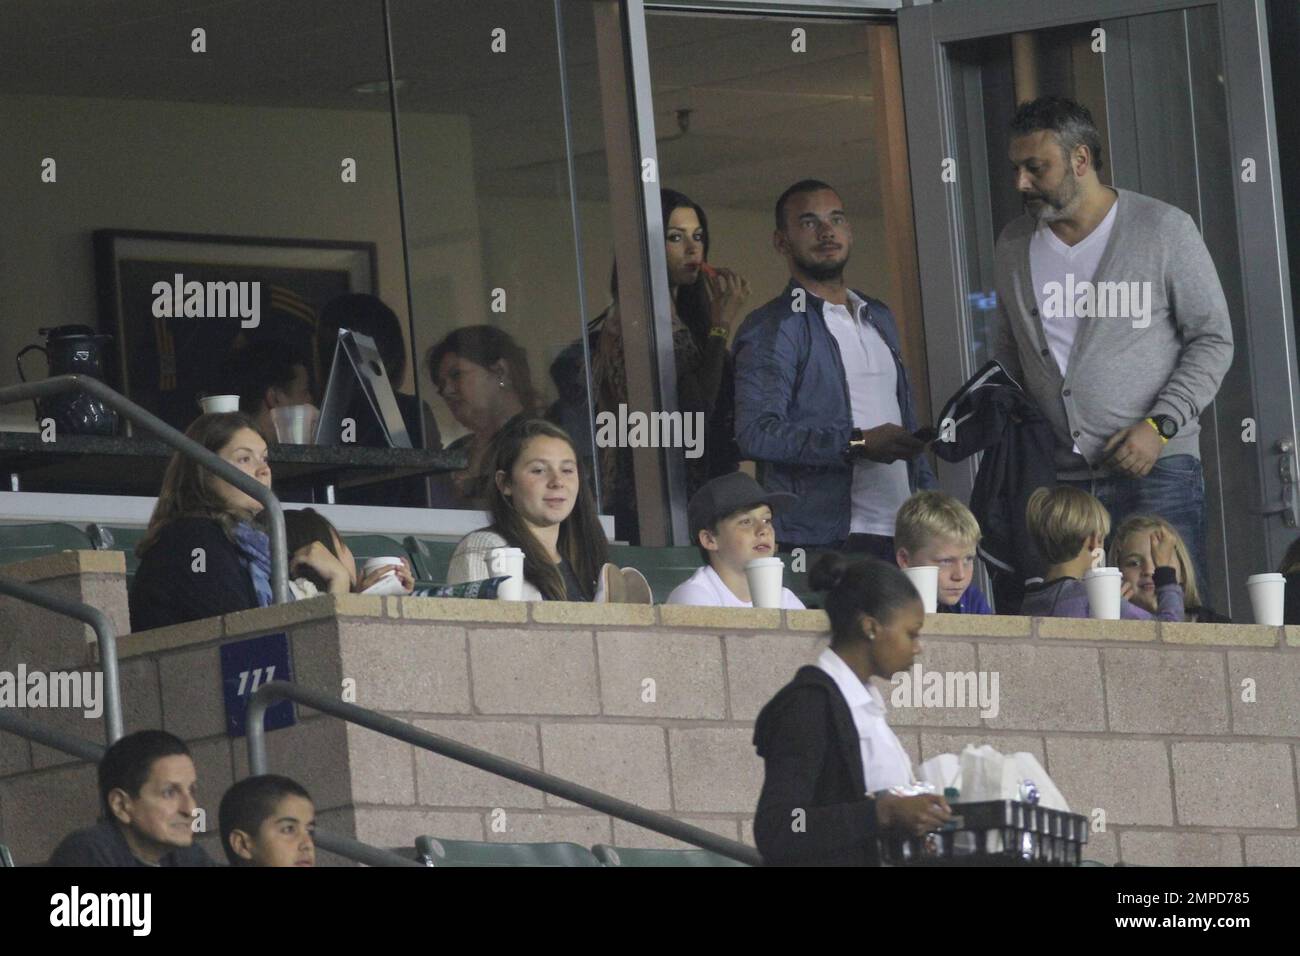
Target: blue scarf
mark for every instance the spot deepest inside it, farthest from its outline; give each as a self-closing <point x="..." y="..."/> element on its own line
<point x="256" y="557"/>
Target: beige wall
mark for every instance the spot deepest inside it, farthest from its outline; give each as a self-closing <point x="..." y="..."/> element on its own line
<point x="1147" y="722"/>
<point x="182" y="167"/>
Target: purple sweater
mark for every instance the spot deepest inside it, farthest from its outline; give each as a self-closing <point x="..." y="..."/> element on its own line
<point x="1067" y="597"/>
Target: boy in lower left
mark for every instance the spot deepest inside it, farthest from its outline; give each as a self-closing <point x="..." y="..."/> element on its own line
<point x="268" y="820"/>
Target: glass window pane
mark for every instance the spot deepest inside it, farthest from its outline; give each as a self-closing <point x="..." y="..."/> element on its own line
<point x="247" y="129"/>
<point x="486" y="188"/>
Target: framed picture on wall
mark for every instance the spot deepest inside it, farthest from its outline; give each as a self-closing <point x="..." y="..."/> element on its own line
<point x="177" y="304"/>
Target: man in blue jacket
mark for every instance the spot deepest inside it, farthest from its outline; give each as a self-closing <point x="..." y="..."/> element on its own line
<point x="823" y="403"/>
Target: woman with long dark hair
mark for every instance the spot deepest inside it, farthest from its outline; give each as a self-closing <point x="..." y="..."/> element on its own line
<point x="202" y="554"/>
<point x="706" y="304"/>
<point x="321" y="562"/>
<point x="539" y="504"/>
<point x="830" y="758"/>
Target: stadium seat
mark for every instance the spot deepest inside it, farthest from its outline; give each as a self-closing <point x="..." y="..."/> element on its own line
<point x="474" y="853"/>
<point x="21" y="542"/>
<point x="664" y="568"/>
<point x="624" y="856"/>
<point x="367" y="546"/>
<point x="431" y="558"/>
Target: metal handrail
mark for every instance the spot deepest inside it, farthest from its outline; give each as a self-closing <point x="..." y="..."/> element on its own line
<point x="361" y="852"/>
<point x="277" y="690"/>
<point x="102" y="625"/>
<point x="185" y="446"/>
<point x="57" y="739"/>
<point x="93" y="753"/>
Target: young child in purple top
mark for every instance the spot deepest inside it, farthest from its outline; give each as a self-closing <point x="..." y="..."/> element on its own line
<point x="934" y="529"/>
<point x="1069" y="527"/>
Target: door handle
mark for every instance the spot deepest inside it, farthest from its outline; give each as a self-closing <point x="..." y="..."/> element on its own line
<point x="1286" y="471"/>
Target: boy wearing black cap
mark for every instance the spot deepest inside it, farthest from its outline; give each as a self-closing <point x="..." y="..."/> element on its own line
<point x="731" y="521"/>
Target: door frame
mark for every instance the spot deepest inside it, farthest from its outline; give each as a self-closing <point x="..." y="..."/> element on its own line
<point x="1261" y="239"/>
<point x="665" y="523"/>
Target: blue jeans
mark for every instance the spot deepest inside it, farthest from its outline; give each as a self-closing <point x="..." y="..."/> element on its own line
<point x="1174" y="490"/>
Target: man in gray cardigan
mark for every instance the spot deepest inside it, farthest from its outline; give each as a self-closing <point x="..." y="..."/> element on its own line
<point x="1112" y="317"/>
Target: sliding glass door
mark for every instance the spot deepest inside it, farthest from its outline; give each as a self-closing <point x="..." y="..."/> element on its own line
<point x="1182" y="94"/>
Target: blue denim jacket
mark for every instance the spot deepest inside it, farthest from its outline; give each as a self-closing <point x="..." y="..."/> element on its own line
<point x="793" y="415"/>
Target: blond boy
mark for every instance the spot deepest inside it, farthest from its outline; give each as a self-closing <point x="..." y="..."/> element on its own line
<point x="934" y="529"/>
<point x="1069" y="528"/>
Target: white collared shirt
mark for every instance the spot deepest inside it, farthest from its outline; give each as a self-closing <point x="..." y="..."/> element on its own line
<point x="879" y="489"/>
<point x="885" y="763"/>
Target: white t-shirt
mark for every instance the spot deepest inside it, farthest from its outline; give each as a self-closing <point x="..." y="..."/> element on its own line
<point x="1052" y="261"/>
<point x="879" y="490"/>
<point x="705" y="588"/>
<point x="885" y="763"/>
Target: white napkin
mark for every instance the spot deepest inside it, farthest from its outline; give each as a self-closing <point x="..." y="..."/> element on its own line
<point x="981" y="773"/>
<point x="941" y="772"/>
<point x="986" y="774"/>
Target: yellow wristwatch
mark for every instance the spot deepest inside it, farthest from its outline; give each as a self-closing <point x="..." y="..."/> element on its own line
<point x="1165" y="427"/>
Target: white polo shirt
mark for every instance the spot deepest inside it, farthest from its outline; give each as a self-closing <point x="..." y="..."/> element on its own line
<point x="879" y="490"/>
<point x="885" y="763"/>
<point x="704" y="588"/>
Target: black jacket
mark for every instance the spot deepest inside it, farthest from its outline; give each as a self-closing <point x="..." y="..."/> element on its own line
<point x="992" y="414"/>
<point x="168" y="590"/>
<point x="104" y="845"/>
<point x="813" y="810"/>
<point x="1291" y="604"/>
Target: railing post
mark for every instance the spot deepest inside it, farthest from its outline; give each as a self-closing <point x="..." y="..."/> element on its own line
<point x="186" y="446"/>
<point x="30" y="730"/>
<point x="255" y="730"/>
<point x="104" y="632"/>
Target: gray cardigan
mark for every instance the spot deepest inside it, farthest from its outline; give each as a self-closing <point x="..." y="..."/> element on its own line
<point x="1118" y="373"/>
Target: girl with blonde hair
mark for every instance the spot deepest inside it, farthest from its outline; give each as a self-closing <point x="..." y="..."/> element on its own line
<point x="1130" y="551"/>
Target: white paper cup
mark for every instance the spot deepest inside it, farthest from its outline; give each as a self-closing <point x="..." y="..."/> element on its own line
<point x="390" y="583"/>
<point x="1267" y="597"/>
<point x="1103" y="587"/>
<point x="295" y="424"/>
<point x="509" y="562"/>
<point x="765" y="576"/>
<point x="211" y="404"/>
<point x="926" y="581"/>
<point x="373" y="563"/>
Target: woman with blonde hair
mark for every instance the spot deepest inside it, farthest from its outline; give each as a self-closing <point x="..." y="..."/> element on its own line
<point x="1130" y="551"/>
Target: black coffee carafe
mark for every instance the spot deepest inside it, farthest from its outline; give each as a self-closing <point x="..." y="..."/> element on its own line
<point x="73" y="350"/>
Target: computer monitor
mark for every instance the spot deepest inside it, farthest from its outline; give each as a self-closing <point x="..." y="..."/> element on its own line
<point x="356" y="371"/>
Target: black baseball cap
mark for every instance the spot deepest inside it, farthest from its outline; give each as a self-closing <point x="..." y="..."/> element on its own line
<point x="727" y="494"/>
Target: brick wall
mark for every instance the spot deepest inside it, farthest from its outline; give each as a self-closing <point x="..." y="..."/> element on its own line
<point x="1143" y="722"/>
